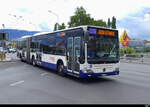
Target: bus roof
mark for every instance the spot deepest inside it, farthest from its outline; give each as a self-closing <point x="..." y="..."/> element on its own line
<point x="42" y="33"/>
<point x="26" y="36"/>
<point x="83" y="27"/>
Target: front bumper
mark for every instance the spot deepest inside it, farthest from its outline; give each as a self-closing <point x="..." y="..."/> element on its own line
<point x="84" y="75"/>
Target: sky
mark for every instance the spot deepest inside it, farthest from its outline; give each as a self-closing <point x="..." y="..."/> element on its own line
<point x="132" y="15"/>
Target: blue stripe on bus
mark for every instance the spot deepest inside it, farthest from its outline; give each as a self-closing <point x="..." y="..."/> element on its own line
<point x="52" y="66"/>
<point x="83" y="75"/>
<point x="49" y="65"/>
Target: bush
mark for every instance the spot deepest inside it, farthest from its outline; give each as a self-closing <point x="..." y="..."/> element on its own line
<point x="137" y="55"/>
<point x="127" y="50"/>
<point x="2" y="56"/>
<point x="147" y="49"/>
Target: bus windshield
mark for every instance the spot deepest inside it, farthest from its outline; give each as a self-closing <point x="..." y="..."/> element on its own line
<point x="102" y="49"/>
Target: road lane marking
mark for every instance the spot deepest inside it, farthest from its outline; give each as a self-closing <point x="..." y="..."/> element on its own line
<point x="43" y="74"/>
<point x="16" y="83"/>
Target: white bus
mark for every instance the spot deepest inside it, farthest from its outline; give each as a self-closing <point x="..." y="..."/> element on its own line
<point x="84" y="51"/>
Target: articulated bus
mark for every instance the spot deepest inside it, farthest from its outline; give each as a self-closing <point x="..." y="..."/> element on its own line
<point x="84" y="51"/>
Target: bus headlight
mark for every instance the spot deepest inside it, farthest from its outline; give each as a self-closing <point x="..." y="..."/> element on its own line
<point x="85" y="70"/>
<point x="89" y="71"/>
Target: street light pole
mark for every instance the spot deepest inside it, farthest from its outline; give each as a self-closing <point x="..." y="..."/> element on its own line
<point x="57" y="24"/>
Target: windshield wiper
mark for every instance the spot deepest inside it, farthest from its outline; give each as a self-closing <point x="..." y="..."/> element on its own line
<point x="114" y="46"/>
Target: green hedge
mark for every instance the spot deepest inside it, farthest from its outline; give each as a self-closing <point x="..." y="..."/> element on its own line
<point x="2" y="56"/>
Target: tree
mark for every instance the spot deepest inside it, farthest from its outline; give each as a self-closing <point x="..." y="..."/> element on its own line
<point x="56" y="26"/>
<point x="62" y="26"/>
<point x="113" y="25"/>
<point x="80" y="18"/>
<point x="108" y="23"/>
<point x="147" y="49"/>
<point x="99" y="23"/>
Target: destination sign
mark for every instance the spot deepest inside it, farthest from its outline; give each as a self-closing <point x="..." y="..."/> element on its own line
<point x="101" y="32"/>
<point x="106" y="32"/>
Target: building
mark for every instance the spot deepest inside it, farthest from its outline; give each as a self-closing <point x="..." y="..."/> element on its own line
<point x="147" y="43"/>
<point x="138" y="45"/>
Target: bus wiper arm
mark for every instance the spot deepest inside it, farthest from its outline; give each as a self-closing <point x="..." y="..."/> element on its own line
<point x="114" y="46"/>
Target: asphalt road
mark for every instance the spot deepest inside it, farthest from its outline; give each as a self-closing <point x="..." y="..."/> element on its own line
<point x="21" y="83"/>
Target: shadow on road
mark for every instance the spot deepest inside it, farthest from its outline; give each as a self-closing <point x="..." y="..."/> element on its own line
<point x="88" y="80"/>
<point x="91" y="80"/>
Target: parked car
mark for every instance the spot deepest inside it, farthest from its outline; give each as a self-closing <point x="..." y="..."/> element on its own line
<point x="12" y="50"/>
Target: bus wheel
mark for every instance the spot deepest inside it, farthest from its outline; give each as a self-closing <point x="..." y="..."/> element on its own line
<point x="33" y="61"/>
<point x="20" y="56"/>
<point x="60" y="69"/>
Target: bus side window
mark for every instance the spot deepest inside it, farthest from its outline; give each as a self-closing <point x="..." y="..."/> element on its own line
<point x="77" y="46"/>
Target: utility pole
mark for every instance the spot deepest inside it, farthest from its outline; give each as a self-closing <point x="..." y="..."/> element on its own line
<point x="57" y="18"/>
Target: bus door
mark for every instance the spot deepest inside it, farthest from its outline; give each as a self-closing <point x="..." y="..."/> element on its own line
<point x="73" y="54"/>
<point x="38" y="52"/>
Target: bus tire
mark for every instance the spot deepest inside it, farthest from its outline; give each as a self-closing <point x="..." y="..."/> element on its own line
<point x="20" y="56"/>
<point x="60" y="69"/>
<point x="33" y="61"/>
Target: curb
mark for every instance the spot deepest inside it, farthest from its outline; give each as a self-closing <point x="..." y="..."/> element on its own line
<point x="128" y="61"/>
<point x="8" y="61"/>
